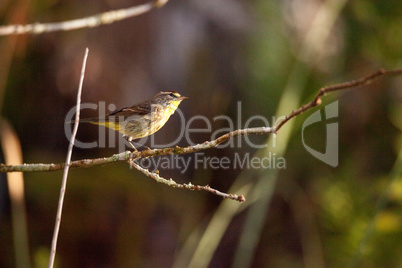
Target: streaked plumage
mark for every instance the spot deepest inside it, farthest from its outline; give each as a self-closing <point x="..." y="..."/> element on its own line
<point x="142" y="119"/>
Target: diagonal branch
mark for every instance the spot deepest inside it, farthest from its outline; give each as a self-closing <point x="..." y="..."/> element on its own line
<point x="87" y="22"/>
<point x="364" y="81"/>
<point x="188" y="186"/>
<point x="208" y="144"/>
<point x="135" y="155"/>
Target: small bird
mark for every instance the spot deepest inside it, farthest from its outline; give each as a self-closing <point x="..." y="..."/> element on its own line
<point x="142" y="119"/>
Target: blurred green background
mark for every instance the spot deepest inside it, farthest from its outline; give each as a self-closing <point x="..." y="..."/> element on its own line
<point x="272" y="56"/>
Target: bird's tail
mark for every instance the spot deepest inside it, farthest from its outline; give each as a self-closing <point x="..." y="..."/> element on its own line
<point x="100" y="121"/>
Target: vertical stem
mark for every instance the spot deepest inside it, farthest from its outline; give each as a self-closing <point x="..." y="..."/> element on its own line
<point x="67" y="166"/>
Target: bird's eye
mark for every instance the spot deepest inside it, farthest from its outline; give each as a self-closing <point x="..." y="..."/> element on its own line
<point x="172" y="95"/>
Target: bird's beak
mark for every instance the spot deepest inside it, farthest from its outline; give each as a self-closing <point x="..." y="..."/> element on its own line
<point x="183" y="98"/>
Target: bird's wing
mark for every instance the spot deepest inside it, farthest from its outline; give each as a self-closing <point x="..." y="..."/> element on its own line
<point x="136" y="109"/>
<point x="139" y="109"/>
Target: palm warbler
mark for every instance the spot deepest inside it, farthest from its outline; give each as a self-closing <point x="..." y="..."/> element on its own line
<point x="142" y="119"/>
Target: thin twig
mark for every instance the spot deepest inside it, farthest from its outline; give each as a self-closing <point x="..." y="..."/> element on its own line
<point x="188" y="186"/>
<point x="364" y="81"/>
<point x="131" y="156"/>
<point x="206" y="145"/>
<point x="124" y="156"/>
<point x="87" y="22"/>
<point x="66" y="167"/>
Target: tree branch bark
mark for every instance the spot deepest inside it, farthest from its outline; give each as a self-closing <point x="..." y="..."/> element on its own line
<point x="87" y="22"/>
<point x="84" y="163"/>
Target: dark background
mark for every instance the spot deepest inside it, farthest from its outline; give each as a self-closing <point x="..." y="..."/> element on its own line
<point x="217" y="53"/>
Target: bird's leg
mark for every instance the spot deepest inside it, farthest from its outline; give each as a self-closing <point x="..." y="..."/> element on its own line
<point x="129" y="139"/>
<point x="132" y="145"/>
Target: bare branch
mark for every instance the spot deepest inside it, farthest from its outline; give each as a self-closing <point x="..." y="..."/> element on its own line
<point x="364" y="81"/>
<point x="87" y="22"/>
<point x="131" y="156"/>
<point x="206" y="145"/>
<point x="188" y="186"/>
<point x="135" y="155"/>
<point x="67" y="166"/>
